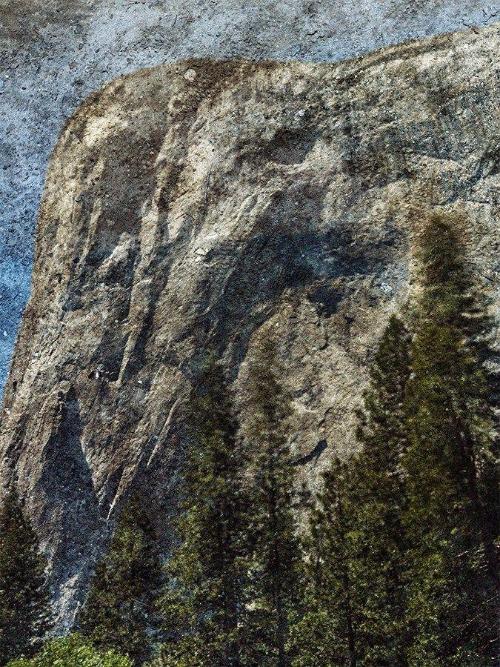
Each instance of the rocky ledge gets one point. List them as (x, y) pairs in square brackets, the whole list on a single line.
[(203, 205)]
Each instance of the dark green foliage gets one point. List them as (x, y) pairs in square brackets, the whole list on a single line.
[(72, 651), (327, 632), (119, 612), (273, 595), (24, 597), (233, 581), (356, 547), (378, 500), (451, 590), (400, 563), (202, 603)]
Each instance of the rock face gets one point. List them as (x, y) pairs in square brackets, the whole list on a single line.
[(205, 205), (53, 53)]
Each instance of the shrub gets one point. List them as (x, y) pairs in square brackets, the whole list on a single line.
[(72, 651)]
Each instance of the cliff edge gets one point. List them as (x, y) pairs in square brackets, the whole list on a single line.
[(203, 204)]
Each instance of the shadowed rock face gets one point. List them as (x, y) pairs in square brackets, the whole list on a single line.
[(209, 204)]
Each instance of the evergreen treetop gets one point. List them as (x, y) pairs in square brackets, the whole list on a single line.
[(275, 559), (451, 595), (202, 600)]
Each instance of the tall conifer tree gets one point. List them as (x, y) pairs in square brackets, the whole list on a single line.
[(24, 595), (202, 603), (119, 612), (275, 556), (355, 547), (378, 500), (327, 633), (452, 589)]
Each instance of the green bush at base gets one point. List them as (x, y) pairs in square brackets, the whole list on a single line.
[(72, 651)]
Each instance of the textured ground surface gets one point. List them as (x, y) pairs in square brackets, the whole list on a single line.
[(211, 204), (54, 52)]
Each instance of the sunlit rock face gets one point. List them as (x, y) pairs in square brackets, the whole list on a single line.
[(53, 53), (206, 205)]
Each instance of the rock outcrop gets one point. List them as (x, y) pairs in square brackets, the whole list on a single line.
[(204, 205)]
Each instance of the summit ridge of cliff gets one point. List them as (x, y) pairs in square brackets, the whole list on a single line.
[(203, 204)]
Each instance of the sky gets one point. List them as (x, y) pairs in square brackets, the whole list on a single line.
[(53, 53)]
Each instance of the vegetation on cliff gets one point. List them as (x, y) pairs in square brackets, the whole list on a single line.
[(401, 551), (232, 581), (451, 592), (397, 565), (201, 602), (355, 547), (274, 558)]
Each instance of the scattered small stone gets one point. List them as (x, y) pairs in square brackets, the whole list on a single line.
[(190, 75)]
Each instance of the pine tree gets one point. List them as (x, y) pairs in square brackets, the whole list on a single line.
[(452, 589), (327, 633), (355, 547), (203, 599), (273, 595), (119, 612), (24, 595), (377, 498)]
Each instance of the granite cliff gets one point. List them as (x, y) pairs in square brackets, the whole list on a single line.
[(207, 204)]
